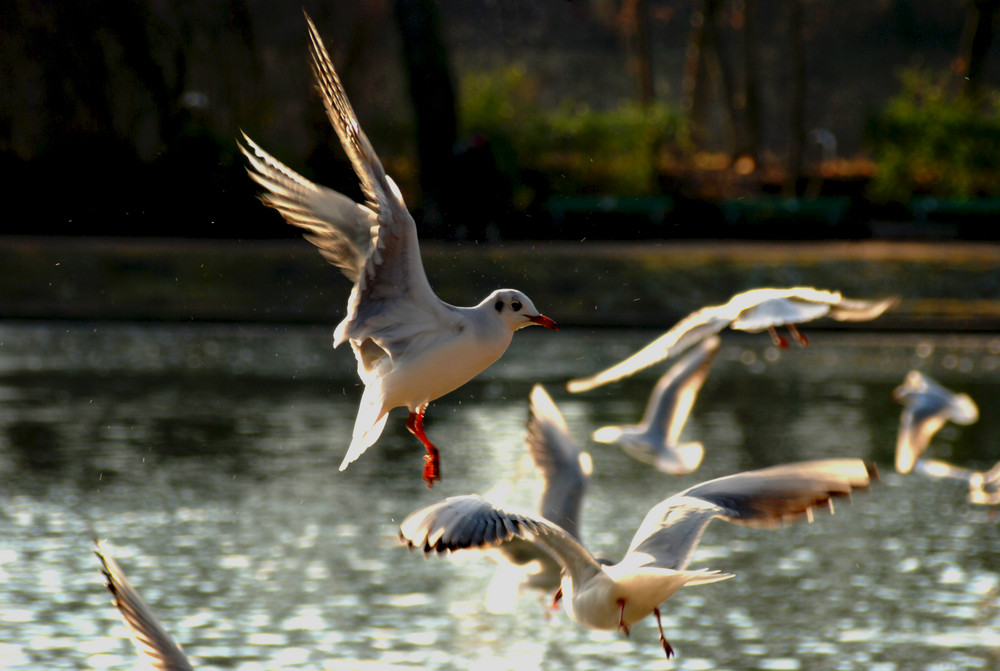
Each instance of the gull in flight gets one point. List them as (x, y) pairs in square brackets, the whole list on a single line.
[(148, 634), (926, 407), (984, 486), (656, 440), (411, 347), (617, 596), (754, 310), (565, 471)]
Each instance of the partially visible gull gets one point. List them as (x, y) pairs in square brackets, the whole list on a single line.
[(148, 634), (754, 310), (151, 637), (656, 440), (565, 471), (617, 596), (411, 347), (984, 486), (926, 407)]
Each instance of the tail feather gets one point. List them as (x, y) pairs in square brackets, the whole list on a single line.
[(369, 424)]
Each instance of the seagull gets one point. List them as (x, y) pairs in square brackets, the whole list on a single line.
[(411, 347), (656, 440), (619, 595), (148, 634), (984, 486), (565, 471), (926, 407), (755, 310)]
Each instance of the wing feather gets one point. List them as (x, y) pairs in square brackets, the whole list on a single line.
[(148, 634), (557, 456), (763, 498)]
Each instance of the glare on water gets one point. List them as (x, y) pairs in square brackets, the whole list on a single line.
[(208, 456)]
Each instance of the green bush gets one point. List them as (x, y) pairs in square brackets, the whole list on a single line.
[(581, 150), (929, 140)]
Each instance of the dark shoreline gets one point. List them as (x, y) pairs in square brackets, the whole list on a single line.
[(944, 286)]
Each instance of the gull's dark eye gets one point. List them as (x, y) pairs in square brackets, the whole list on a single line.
[(499, 306), (515, 305)]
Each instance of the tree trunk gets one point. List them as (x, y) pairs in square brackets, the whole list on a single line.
[(750, 145), (797, 98), (433, 97), (643, 54), (978, 40)]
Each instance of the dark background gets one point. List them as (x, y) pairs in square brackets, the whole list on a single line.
[(121, 118)]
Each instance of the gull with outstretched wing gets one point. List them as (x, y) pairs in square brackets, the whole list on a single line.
[(411, 347), (755, 310), (617, 596)]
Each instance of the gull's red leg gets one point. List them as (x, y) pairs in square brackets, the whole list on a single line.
[(776, 338), (797, 336), (663, 639), (432, 460), (622, 627), (556, 599)]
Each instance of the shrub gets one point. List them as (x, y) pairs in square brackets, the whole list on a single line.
[(930, 140), (579, 148)]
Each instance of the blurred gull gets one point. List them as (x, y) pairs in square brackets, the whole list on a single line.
[(657, 439), (565, 471), (619, 595), (926, 407), (754, 310), (984, 486), (411, 347)]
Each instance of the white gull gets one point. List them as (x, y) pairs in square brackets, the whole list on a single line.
[(926, 407), (656, 439), (565, 471), (619, 595), (411, 347), (754, 310)]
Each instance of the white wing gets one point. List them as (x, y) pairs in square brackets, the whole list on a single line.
[(149, 636), (376, 244), (558, 457), (472, 522), (767, 497), (673, 397), (693, 328), (393, 290), (340, 228), (940, 469)]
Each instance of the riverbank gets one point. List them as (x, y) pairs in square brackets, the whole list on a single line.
[(942, 285)]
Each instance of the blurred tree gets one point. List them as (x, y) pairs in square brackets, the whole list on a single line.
[(709, 66)]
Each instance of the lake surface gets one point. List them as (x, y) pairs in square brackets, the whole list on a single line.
[(207, 455)]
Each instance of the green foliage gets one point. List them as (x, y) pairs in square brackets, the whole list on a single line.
[(581, 150), (932, 141)]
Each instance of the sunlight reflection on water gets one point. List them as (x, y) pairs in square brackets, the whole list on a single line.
[(208, 456)]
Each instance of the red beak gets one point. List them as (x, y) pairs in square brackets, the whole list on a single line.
[(542, 320)]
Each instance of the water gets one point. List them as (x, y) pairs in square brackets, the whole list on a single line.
[(208, 456)]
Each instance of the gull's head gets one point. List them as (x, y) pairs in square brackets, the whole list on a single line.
[(915, 383), (516, 310)]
